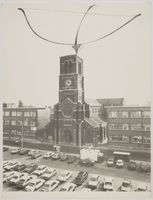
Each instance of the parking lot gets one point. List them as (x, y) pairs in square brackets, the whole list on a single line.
[(99, 168)]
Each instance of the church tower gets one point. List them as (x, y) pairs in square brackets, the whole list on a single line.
[(69, 112)]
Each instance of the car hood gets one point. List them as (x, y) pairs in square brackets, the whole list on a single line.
[(29, 188), (43, 189), (126, 189), (93, 183), (107, 186), (14, 180)]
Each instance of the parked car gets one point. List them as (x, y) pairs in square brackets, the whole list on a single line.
[(47, 155), (56, 156), (86, 189), (141, 188), (144, 167), (36, 155), (6, 162), (94, 181), (86, 162), (49, 186), (40, 170), (71, 159), (110, 162), (15, 151), (120, 163), (16, 177), (31, 152), (108, 184), (126, 186), (63, 157), (132, 165), (24, 181), (68, 187), (64, 176), (19, 167), (5, 149), (34, 184), (30, 168), (23, 151), (80, 178), (11, 165), (7, 176), (48, 174)]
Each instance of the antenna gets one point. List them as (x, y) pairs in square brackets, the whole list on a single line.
[(76, 46)]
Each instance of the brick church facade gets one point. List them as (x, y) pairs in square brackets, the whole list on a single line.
[(74, 122)]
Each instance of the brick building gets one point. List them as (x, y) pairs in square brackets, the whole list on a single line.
[(23, 119), (129, 126)]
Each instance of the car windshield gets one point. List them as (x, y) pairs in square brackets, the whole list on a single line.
[(15, 177), (63, 189), (108, 183), (48, 172), (93, 179), (125, 184), (31, 184), (46, 185), (21, 180), (110, 160)]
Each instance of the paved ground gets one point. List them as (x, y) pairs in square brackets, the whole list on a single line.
[(99, 168)]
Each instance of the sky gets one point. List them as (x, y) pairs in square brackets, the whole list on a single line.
[(118, 66)]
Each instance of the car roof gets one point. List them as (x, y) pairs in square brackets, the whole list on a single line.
[(35, 180), (65, 172), (126, 181), (52, 181), (42, 166), (94, 175), (108, 179)]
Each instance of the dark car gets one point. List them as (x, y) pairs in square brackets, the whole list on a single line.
[(63, 157), (56, 156), (80, 178), (86, 162), (30, 168), (19, 167), (71, 159), (110, 162), (5, 148), (36, 155), (23, 151), (132, 165)]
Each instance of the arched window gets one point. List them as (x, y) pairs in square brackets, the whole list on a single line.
[(70, 67), (66, 67)]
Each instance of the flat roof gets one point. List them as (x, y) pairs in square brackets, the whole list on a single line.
[(120, 152)]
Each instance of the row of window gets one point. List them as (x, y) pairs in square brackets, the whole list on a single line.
[(19, 122), (20, 113), (19, 133), (69, 68), (95, 110), (126, 139), (133, 127), (125, 114)]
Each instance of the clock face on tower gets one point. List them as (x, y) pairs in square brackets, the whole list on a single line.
[(68, 82)]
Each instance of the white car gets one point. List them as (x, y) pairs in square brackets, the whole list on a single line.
[(6, 162), (68, 187), (16, 177), (108, 184), (64, 176), (93, 181), (141, 188), (15, 151), (48, 174), (48, 155), (11, 165), (49, 186), (126, 186), (31, 152), (120, 163), (34, 184), (40, 170), (7, 176), (24, 181)]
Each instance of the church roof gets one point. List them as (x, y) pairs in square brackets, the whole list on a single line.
[(94, 121), (111, 102), (92, 102)]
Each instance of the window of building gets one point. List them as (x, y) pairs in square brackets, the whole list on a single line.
[(70, 67), (118, 126), (13, 122), (123, 114), (146, 114), (67, 122), (13, 132), (32, 123), (26, 123), (26, 133), (113, 114), (79, 67), (146, 140), (19, 123), (19, 113), (6, 113), (136, 127), (120, 138), (13, 113), (26, 114), (19, 133), (32, 114), (137, 139), (6, 122), (136, 114), (146, 127)]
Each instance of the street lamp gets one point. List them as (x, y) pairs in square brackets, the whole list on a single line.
[(79, 123)]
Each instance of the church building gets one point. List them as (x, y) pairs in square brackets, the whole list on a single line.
[(76, 121)]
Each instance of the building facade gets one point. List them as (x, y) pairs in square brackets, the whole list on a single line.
[(129, 125), (24, 120)]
